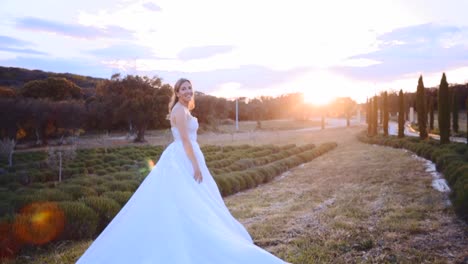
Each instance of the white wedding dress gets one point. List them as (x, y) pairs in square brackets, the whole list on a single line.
[(173, 219)]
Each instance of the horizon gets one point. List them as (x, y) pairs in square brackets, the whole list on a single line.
[(334, 49)]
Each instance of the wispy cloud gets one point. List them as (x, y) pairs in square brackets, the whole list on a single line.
[(423, 48), (27, 51), (152, 6), (247, 76), (203, 52), (72, 30), (124, 52), (17, 46), (9, 41)]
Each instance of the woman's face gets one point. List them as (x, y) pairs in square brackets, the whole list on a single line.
[(185, 92)]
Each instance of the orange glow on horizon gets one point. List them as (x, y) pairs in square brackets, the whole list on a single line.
[(318, 99)]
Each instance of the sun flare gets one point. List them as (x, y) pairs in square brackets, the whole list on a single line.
[(318, 99)]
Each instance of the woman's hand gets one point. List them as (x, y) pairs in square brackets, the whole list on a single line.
[(197, 175)]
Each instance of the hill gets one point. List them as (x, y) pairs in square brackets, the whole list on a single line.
[(17, 77)]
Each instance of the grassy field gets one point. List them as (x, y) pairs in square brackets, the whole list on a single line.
[(227, 132), (358, 203), (286, 124)]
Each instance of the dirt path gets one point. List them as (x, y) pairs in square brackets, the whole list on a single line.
[(358, 203)]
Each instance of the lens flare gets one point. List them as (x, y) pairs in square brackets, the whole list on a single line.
[(9, 246), (150, 164), (39, 223)]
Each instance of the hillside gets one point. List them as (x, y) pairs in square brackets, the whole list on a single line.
[(17, 77)]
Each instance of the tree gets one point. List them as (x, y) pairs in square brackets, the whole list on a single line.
[(39, 118), (466, 107), (6, 92), (421, 108), (385, 114), (138, 101), (454, 110), (367, 111), (444, 111), (401, 115), (70, 118), (369, 117), (56, 89), (431, 113), (7, 147), (375, 116)]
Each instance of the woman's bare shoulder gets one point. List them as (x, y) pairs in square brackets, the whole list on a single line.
[(178, 112)]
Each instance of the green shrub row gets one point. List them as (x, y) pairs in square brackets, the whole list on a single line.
[(450, 159), (88, 204), (234, 182)]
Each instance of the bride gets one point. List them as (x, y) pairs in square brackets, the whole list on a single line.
[(177, 214)]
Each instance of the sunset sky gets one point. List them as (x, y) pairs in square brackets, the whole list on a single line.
[(245, 47)]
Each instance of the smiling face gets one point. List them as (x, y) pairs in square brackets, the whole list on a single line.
[(185, 93)]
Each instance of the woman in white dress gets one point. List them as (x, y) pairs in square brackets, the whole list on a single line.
[(177, 214)]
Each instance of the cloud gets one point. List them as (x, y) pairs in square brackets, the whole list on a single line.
[(124, 52), (203, 52), (26, 51), (14, 45), (9, 41), (152, 7), (248, 77), (417, 49), (72, 30)]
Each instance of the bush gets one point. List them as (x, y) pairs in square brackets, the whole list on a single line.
[(77, 191), (460, 196), (224, 186), (6, 207), (126, 185), (106, 208), (81, 221), (20, 201), (119, 196), (235, 184), (123, 175), (52, 195)]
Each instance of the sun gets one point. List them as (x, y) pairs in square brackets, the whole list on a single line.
[(319, 99)]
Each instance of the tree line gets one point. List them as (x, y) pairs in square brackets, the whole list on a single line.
[(56, 107), (445, 100)]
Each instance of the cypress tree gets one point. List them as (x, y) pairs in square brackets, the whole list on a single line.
[(385, 113), (466, 107), (401, 115), (367, 111), (421, 107), (431, 113), (369, 117), (454, 110), (375, 117), (381, 113), (444, 111)]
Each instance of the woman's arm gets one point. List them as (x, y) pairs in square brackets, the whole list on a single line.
[(180, 117)]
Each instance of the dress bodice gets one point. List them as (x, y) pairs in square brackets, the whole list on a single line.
[(192, 125)]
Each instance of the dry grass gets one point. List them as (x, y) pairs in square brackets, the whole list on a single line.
[(356, 204), (285, 124)]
